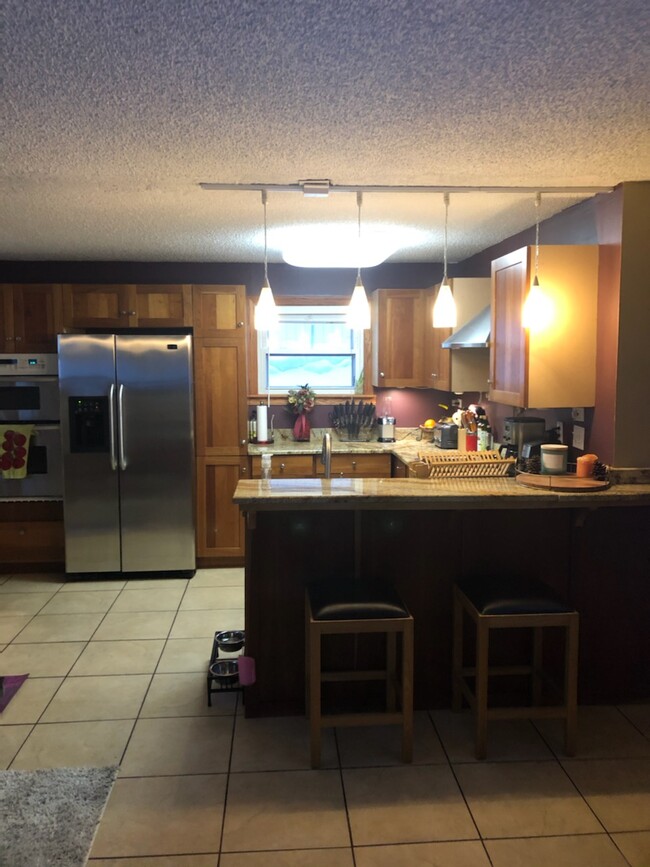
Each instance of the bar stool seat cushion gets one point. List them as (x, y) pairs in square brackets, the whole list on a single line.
[(511, 595), (354, 599)]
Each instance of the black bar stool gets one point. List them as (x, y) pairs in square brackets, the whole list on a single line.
[(356, 607), (513, 603)]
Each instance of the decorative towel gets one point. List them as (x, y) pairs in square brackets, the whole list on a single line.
[(14, 450), (9, 686)]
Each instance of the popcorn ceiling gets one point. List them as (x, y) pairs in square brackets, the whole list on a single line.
[(113, 111)]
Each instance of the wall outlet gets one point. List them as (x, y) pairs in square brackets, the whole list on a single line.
[(578, 413), (457, 403), (559, 430), (578, 437)]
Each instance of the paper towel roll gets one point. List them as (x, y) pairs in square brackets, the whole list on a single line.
[(262, 424)]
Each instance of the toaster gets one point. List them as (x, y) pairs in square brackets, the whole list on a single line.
[(445, 435)]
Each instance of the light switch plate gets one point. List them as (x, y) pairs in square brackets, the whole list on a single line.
[(578, 437)]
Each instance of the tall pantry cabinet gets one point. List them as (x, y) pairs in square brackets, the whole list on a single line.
[(221, 417)]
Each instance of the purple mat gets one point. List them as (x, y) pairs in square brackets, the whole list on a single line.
[(9, 686)]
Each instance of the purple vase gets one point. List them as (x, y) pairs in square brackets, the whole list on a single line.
[(302, 429)]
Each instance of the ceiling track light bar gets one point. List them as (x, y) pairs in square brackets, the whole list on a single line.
[(323, 187)]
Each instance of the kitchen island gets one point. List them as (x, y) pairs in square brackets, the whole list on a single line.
[(593, 548)]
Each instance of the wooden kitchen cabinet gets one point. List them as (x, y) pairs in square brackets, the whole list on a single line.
[(31, 532), (353, 465), (220, 396), (285, 466), (220, 527), (219, 311), (125, 305), (554, 366), (31, 317), (407, 350)]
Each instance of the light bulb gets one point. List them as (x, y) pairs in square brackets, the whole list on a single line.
[(358, 316), (444, 309), (266, 313), (537, 312)]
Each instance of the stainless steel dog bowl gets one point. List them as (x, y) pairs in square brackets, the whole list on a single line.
[(230, 641), (225, 670)]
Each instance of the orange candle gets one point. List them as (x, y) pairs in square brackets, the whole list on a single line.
[(585, 466)]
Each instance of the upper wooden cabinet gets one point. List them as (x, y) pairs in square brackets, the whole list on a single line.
[(31, 317), (219, 310), (555, 365), (126, 305), (406, 349)]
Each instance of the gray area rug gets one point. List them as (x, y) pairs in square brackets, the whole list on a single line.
[(49, 818)]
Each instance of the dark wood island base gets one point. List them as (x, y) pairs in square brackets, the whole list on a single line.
[(421, 536)]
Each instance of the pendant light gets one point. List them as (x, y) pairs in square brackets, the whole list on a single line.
[(537, 311), (266, 313), (444, 309), (358, 317)]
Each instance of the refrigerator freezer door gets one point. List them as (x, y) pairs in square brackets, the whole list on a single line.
[(155, 442), (90, 478)]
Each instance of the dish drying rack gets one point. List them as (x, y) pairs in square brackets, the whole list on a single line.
[(464, 465)]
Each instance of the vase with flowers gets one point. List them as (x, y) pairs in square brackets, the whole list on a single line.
[(300, 402)]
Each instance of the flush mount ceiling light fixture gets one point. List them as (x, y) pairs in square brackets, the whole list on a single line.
[(537, 312), (359, 309), (444, 309), (266, 314)]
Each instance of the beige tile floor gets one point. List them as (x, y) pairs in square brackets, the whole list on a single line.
[(117, 676)]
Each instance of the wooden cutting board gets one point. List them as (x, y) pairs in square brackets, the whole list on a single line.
[(568, 482)]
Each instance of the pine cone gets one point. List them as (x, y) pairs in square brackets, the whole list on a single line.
[(601, 472), (534, 465)]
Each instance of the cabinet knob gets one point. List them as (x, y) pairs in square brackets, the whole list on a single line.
[(282, 466), (489, 382), (21, 532), (131, 312), (240, 325), (18, 339), (434, 375), (242, 442), (354, 465), (381, 373), (8, 338), (243, 470), (124, 312)]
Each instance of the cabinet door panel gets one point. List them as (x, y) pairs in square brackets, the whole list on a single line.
[(218, 310), (7, 318), (160, 306), (285, 467), (220, 389), (96, 306), (37, 317), (398, 359), (508, 350), (220, 526)]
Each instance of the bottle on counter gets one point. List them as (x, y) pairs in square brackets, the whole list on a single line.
[(484, 438), (266, 467)]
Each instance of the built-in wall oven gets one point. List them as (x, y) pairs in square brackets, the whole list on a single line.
[(29, 395)]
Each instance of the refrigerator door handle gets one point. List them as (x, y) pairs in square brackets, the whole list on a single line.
[(120, 426), (111, 422)]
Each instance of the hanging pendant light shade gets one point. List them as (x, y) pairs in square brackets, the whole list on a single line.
[(444, 308), (537, 312), (358, 317), (266, 313)]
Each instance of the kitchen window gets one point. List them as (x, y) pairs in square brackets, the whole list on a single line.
[(310, 345)]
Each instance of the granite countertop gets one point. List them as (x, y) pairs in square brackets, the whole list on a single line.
[(475, 493)]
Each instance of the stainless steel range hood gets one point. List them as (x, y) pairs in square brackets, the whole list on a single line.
[(475, 334)]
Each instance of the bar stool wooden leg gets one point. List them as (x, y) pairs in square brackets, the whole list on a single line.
[(407, 692), (481, 688), (391, 671), (315, 694), (536, 679), (571, 686), (457, 656)]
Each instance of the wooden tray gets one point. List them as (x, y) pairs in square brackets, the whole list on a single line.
[(568, 482)]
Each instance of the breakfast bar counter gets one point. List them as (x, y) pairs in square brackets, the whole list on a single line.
[(421, 535)]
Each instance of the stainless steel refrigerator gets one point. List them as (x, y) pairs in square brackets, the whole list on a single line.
[(128, 452)]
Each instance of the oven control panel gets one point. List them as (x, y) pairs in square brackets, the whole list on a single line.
[(29, 365)]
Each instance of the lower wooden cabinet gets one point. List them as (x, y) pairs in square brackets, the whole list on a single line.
[(219, 524), (285, 467), (31, 533), (357, 466)]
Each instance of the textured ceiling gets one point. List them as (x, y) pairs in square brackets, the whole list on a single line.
[(113, 111)]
